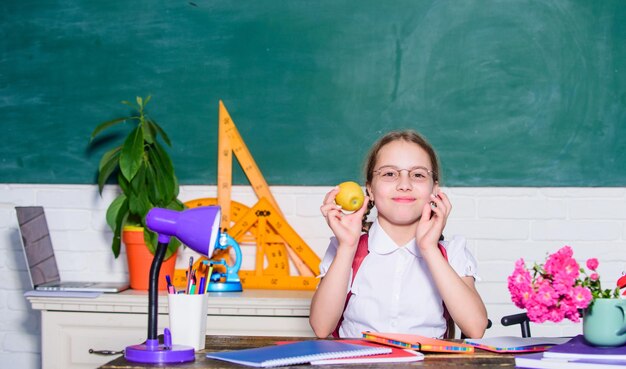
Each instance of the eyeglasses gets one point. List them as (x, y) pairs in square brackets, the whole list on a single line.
[(392, 174)]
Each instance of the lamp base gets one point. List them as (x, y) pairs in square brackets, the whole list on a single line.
[(154, 353)]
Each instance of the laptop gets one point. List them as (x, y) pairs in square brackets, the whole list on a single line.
[(42, 265)]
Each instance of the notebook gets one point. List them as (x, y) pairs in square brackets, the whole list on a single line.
[(577, 347), (41, 262), (416, 342), (507, 344), (296, 353), (397, 355), (539, 360)]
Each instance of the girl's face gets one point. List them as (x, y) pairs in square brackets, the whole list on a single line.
[(400, 202)]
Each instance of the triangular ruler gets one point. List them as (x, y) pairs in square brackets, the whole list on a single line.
[(229, 142)]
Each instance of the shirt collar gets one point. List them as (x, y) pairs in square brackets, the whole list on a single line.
[(380, 242)]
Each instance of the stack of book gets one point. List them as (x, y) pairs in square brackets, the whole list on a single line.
[(575, 354), (317, 352), (395, 348)]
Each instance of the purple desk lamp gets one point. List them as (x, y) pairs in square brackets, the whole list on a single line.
[(198, 228)]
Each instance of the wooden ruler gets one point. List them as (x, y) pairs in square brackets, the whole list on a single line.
[(229, 142)]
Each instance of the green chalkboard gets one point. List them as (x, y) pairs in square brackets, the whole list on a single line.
[(511, 93)]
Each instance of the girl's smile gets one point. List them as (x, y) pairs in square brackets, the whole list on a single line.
[(404, 199)]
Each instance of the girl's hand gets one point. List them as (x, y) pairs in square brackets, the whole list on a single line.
[(345, 227), (433, 221)]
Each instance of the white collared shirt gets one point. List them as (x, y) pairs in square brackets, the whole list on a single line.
[(393, 290)]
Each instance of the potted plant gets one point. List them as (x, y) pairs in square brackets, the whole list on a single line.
[(145, 175)]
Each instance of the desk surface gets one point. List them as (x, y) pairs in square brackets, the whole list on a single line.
[(480, 359)]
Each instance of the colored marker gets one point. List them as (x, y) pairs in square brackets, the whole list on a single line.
[(189, 274), (208, 280), (170, 287), (201, 286)]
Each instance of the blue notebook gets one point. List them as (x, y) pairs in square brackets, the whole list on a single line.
[(296, 353)]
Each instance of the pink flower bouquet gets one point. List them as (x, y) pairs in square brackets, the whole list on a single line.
[(555, 290)]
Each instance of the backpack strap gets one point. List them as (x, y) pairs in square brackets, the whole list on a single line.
[(446, 315), (361, 252)]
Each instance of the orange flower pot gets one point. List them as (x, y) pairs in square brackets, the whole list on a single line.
[(140, 260)]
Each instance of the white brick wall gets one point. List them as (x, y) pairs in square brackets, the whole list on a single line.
[(501, 225)]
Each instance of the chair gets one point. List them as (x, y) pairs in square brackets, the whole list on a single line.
[(521, 319)]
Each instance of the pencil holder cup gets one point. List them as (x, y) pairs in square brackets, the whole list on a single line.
[(604, 324), (188, 315)]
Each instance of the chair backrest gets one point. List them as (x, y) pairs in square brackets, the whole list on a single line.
[(521, 319)]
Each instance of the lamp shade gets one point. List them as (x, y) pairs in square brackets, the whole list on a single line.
[(198, 228)]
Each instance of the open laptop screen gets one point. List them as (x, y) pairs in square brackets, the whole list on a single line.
[(37, 244)]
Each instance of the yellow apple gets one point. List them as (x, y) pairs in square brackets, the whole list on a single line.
[(350, 196)]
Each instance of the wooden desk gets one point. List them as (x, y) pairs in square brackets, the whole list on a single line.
[(72, 326), (480, 359)]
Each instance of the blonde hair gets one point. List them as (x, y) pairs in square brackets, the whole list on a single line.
[(372, 157)]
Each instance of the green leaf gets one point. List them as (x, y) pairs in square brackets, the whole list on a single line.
[(151, 239), (149, 133), (176, 205), (116, 217), (132, 154), (101, 127), (113, 211), (176, 187), (139, 203), (116, 243), (164, 159), (138, 183), (151, 122), (172, 247), (139, 207), (154, 190), (108, 157), (132, 105), (124, 184), (163, 170), (109, 162)]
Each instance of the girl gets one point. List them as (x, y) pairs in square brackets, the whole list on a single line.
[(405, 279)]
